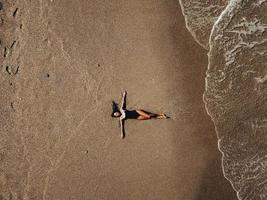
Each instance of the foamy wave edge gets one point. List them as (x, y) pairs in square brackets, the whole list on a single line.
[(231, 5), (188, 27)]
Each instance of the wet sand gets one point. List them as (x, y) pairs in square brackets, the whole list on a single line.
[(77, 58)]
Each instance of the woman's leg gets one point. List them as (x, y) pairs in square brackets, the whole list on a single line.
[(143, 115), (146, 115)]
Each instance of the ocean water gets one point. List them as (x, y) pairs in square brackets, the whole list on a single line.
[(236, 93), (200, 16)]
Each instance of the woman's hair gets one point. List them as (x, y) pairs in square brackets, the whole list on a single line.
[(115, 108)]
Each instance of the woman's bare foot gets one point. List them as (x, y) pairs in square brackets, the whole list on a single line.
[(162, 116)]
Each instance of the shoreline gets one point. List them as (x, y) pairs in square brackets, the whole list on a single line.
[(134, 46)]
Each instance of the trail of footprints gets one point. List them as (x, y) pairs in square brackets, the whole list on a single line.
[(9, 53), (8, 42)]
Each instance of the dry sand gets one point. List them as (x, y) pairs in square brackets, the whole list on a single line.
[(93, 51)]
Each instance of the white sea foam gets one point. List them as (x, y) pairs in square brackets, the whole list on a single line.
[(237, 103), (236, 90), (200, 16)]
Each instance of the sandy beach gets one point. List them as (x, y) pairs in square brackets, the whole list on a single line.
[(75, 58)]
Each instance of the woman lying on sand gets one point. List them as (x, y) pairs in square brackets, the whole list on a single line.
[(124, 114)]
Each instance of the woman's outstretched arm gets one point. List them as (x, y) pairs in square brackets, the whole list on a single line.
[(122, 128), (123, 101)]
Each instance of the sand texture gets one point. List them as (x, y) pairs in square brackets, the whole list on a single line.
[(69, 61)]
